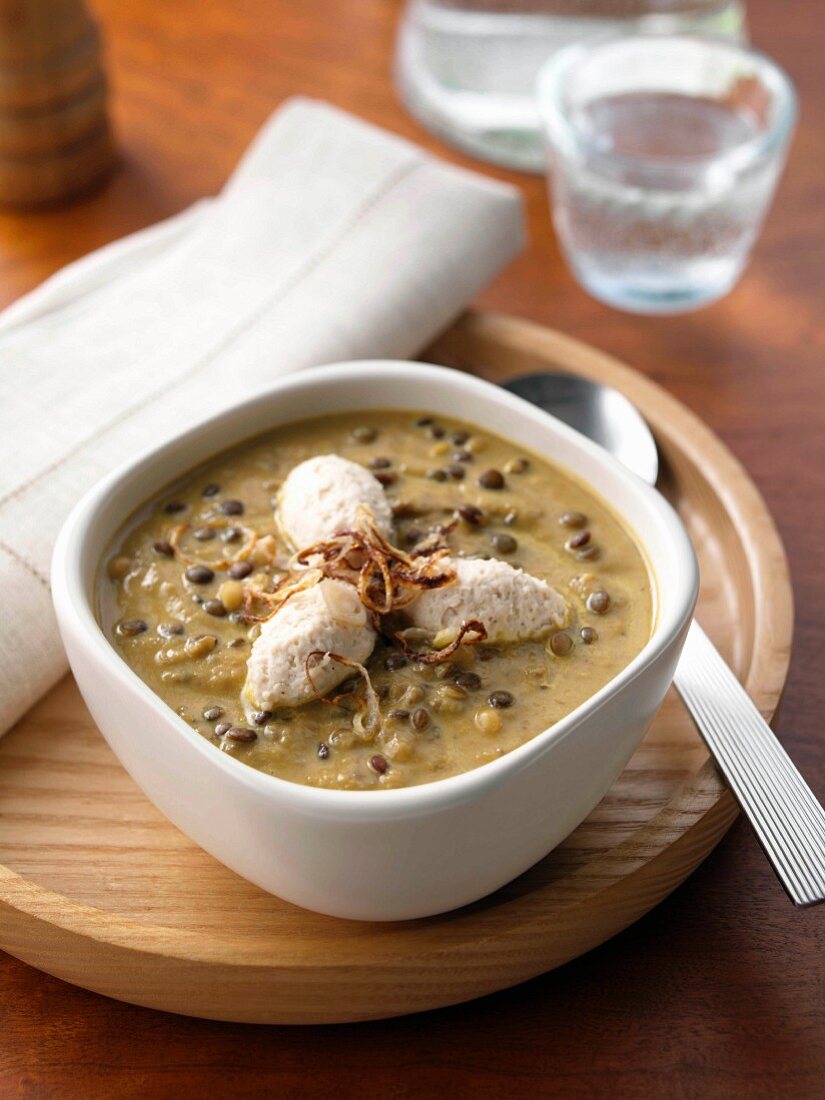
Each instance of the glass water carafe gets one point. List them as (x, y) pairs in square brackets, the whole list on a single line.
[(466, 68)]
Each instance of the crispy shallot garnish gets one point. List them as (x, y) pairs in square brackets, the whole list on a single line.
[(368, 716), (180, 530), (437, 656), (387, 578), (273, 601), (436, 540)]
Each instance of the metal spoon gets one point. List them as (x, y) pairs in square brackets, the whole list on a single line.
[(785, 814)]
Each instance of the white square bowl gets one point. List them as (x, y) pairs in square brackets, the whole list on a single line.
[(379, 855)]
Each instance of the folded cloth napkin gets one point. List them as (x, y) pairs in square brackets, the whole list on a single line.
[(332, 240)]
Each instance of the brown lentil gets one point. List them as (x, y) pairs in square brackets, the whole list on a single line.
[(364, 434), (399, 714), (503, 544), (573, 519), (380, 462), (169, 630), (241, 735), (212, 489), (231, 507), (386, 477), (599, 602), (131, 627), (164, 548), (437, 475), (459, 437), (204, 534), (588, 553), (491, 479), (471, 514), (588, 635), (323, 751), (575, 542), (454, 691), (239, 569), (215, 607), (222, 728), (212, 714), (561, 644), (261, 717), (462, 455), (470, 681), (199, 574), (420, 718), (232, 534), (456, 471), (174, 506), (379, 763), (500, 699)]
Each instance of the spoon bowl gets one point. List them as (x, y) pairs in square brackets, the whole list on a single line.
[(597, 411)]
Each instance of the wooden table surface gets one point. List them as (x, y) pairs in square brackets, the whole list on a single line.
[(720, 992)]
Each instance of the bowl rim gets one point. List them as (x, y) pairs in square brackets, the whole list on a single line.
[(76, 615)]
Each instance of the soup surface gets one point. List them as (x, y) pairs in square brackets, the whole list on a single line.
[(174, 595)]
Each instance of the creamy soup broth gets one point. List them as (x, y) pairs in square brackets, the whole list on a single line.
[(189, 641)]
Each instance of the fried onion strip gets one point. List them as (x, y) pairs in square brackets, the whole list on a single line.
[(367, 719), (386, 577), (288, 587), (180, 530), (437, 656)]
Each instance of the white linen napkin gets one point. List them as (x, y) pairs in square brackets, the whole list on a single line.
[(332, 240)]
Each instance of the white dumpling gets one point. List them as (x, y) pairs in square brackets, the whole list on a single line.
[(513, 605), (322, 496), (328, 617)]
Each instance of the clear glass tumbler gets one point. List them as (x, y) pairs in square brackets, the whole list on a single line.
[(467, 68), (664, 153)]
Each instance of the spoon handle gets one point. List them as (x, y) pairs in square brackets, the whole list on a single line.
[(787, 818)]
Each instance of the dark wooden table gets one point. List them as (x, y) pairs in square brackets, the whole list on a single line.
[(720, 992)]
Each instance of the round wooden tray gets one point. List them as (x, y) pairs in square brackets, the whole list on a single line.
[(98, 888)]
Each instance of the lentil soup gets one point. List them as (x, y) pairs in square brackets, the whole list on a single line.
[(185, 589)]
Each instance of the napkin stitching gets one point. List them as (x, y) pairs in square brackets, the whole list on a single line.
[(26, 564), (305, 269)]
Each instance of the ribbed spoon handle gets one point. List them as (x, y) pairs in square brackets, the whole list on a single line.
[(781, 807)]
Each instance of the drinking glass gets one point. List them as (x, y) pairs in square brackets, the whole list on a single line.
[(664, 154), (467, 68)]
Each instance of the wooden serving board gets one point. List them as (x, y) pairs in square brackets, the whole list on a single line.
[(98, 888)]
